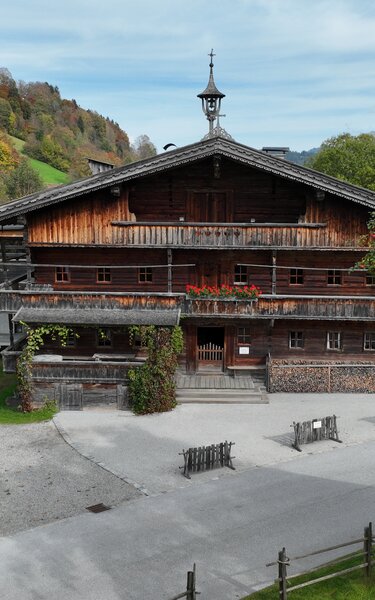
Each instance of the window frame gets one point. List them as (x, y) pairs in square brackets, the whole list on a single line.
[(294, 338), (243, 337), (370, 280), (298, 275), (62, 274), (338, 339), (370, 341), (336, 277), (102, 273), (145, 275), (243, 273), (101, 342)]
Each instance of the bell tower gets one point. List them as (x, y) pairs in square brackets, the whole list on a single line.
[(211, 103)]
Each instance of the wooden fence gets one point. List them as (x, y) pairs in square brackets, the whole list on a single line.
[(210, 353), (207, 457), (306, 432), (191, 593), (284, 580)]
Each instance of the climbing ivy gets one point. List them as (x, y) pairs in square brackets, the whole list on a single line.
[(368, 261), (35, 339), (152, 386)]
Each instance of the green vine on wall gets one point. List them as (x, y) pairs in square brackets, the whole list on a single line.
[(152, 386), (368, 261), (35, 339)]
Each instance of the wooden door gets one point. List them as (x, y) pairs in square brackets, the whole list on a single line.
[(209, 207), (209, 274), (210, 349), (71, 396)]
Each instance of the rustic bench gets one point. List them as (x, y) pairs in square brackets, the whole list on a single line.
[(234, 368), (207, 457)]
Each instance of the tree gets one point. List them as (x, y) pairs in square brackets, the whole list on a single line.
[(23, 181), (143, 147), (347, 157), (368, 261)]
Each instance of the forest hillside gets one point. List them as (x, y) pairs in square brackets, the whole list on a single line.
[(45, 139)]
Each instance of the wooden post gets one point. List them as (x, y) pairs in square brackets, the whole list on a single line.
[(368, 548), (169, 260), (283, 595), (190, 587), (3, 260), (274, 273), (11, 331)]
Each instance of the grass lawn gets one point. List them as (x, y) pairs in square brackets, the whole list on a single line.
[(352, 586), (11, 416), (48, 174)]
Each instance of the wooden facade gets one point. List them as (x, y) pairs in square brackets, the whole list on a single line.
[(215, 213)]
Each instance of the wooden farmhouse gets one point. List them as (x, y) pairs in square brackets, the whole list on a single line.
[(121, 247)]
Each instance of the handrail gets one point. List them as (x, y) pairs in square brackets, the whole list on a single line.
[(214, 224)]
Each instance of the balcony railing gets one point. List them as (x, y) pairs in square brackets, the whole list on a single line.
[(281, 307), (223, 235), (357, 308)]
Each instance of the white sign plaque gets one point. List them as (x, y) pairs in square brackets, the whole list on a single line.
[(317, 424), (244, 350)]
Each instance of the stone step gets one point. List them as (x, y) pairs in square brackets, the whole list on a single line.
[(229, 398), (214, 392)]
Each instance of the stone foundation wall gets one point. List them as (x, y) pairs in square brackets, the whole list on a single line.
[(309, 376)]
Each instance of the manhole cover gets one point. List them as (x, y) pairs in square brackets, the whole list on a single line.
[(97, 508)]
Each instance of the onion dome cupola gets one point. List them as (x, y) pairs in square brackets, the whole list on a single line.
[(211, 104)]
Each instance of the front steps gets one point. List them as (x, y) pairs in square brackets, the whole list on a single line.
[(209, 388)]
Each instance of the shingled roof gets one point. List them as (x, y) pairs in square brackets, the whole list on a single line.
[(185, 155)]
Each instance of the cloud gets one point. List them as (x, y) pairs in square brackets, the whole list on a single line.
[(290, 68)]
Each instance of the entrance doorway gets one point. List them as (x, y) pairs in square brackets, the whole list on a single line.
[(210, 348)]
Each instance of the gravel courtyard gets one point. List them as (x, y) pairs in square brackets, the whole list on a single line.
[(43, 479)]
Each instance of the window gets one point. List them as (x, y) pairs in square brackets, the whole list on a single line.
[(71, 340), (243, 335), (369, 340), (334, 341), (296, 339), (370, 279), (145, 275), (240, 274), (62, 274), (296, 277), (334, 277), (103, 275), (104, 338)]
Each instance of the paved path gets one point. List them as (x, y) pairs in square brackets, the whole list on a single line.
[(230, 524), (145, 449), (43, 479), (230, 527)]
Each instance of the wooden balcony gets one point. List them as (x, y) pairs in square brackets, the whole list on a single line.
[(222, 235), (113, 305), (285, 307), (12, 301)]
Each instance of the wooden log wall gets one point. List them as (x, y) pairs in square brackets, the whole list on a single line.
[(86, 279), (251, 194), (208, 269), (315, 281), (315, 339)]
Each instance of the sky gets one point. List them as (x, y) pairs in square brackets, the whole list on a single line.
[(294, 72)]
